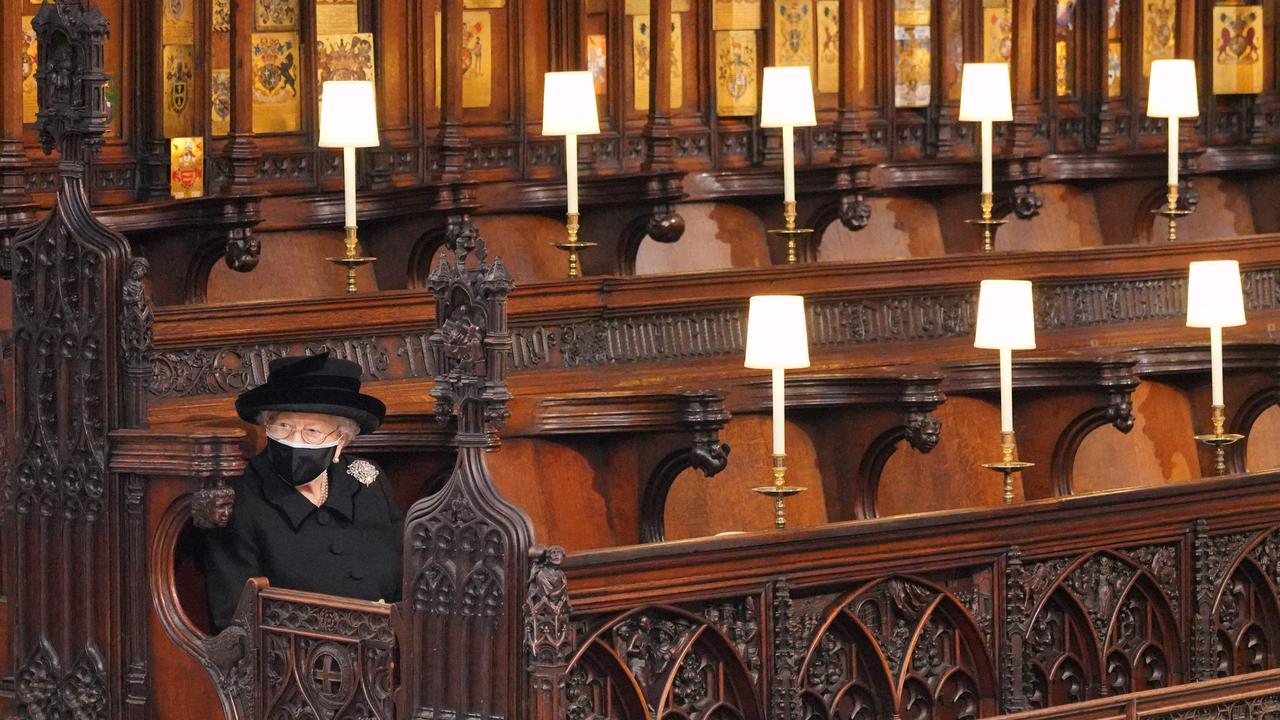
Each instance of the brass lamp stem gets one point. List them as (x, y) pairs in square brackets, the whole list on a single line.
[(352, 259), (988, 223), (572, 244), (1007, 465), (1219, 439), (789, 216), (986, 205), (571, 228), (792, 233), (779, 490), (1170, 210)]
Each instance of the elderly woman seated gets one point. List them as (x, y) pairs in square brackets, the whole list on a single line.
[(306, 517)]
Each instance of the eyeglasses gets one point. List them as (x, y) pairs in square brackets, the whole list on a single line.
[(310, 436)]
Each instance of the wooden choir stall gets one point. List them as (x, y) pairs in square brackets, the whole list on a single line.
[(583, 460)]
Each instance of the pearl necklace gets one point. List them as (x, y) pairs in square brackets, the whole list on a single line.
[(324, 494)]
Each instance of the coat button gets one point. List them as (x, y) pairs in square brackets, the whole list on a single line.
[(322, 516), (356, 574), (335, 548)]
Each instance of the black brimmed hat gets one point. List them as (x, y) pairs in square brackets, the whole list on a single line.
[(313, 384)]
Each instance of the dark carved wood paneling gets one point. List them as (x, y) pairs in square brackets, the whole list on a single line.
[(466, 547), (82, 334)]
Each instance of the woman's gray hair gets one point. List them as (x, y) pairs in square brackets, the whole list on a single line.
[(346, 425)]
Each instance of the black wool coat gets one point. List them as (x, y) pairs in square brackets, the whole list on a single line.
[(349, 546)]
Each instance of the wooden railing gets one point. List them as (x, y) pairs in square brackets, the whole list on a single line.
[(955, 614), (1245, 697)]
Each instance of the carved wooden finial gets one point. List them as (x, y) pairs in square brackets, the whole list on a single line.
[(71, 78), (470, 349)]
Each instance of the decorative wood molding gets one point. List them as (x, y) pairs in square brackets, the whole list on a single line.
[(607, 335)]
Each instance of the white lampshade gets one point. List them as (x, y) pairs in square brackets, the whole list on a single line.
[(984, 92), (1006, 316), (787, 97), (1214, 296), (569, 104), (777, 337), (1172, 92), (348, 114)]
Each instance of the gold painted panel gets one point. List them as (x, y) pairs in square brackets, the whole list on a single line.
[(735, 15), (1115, 50), (953, 50), (337, 17), (477, 59), (640, 39), (828, 46), (178, 22), (598, 62), (1239, 36), (344, 57), (640, 61), (30, 99), (737, 60), (1064, 48), (179, 102), (793, 32), (276, 68), (641, 7), (911, 12), (677, 61), (186, 167), (912, 56), (220, 101), (1159, 25), (221, 13), (997, 31), (276, 15)]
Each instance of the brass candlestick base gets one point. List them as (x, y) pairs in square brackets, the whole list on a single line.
[(987, 223), (791, 232), (1219, 439), (780, 490), (1171, 211), (1007, 465), (352, 259), (573, 245)]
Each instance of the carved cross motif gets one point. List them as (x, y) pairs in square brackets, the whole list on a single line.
[(327, 675)]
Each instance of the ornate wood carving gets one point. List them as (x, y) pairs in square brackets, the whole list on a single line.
[(323, 657), (466, 547), (899, 647), (82, 339), (649, 337), (549, 636), (668, 660), (1213, 557)]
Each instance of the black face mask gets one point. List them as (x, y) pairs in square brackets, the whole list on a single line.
[(299, 465)]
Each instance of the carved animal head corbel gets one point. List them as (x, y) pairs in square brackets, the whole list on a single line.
[(1026, 202), (855, 213), (1120, 409), (243, 249)]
